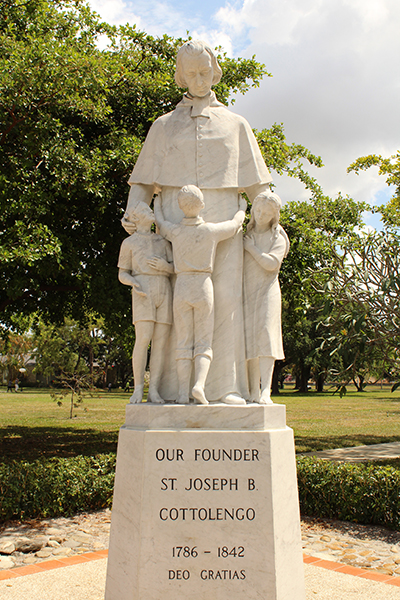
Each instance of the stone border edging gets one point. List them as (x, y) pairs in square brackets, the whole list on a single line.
[(49, 565), (349, 570)]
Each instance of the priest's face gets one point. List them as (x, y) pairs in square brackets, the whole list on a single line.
[(198, 73)]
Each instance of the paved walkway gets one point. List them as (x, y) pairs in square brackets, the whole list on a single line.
[(360, 453), (324, 581)]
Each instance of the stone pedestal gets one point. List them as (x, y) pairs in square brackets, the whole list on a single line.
[(205, 506)]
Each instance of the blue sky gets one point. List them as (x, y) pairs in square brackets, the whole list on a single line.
[(335, 66)]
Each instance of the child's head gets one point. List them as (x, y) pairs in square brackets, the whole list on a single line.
[(140, 213), (265, 211), (190, 200)]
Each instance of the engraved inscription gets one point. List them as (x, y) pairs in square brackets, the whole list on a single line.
[(184, 480)]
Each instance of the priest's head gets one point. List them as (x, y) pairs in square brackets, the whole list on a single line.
[(197, 68)]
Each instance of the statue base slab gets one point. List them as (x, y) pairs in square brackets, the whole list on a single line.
[(205, 505)]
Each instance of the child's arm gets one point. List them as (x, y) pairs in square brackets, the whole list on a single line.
[(269, 262), (127, 278), (227, 229), (163, 225)]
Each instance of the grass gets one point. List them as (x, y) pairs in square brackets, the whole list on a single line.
[(33, 426), (324, 421)]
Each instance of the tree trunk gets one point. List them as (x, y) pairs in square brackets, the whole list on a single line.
[(304, 377), (319, 384), (360, 383), (297, 382), (104, 378), (91, 365), (72, 404)]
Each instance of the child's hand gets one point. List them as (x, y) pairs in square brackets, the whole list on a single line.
[(248, 243), (138, 290), (158, 263), (242, 203)]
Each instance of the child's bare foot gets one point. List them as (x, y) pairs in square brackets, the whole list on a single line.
[(137, 395), (154, 397), (265, 398), (198, 395)]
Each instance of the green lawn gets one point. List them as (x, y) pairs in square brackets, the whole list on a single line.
[(323, 421), (32, 425)]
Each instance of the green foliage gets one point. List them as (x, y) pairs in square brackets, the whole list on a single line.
[(238, 75), (390, 168), (77, 355), (55, 487), (15, 351), (350, 492), (287, 158), (74, 114), (314, 228), (60, 348), (362, 283)]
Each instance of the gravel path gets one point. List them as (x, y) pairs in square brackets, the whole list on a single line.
[(34, 541), (365, 546)]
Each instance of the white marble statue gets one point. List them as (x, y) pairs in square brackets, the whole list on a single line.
[(266, 245), (203, 143), (194, 243), (145, 263)]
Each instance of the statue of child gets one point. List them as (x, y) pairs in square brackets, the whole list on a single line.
[(194, 243), (266, 245), (145, 263)]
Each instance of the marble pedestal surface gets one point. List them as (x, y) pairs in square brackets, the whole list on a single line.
[(205, 506)]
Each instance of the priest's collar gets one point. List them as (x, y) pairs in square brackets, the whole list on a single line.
[(200, 107)]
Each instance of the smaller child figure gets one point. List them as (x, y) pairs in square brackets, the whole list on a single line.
[(145, 263), (266, 245), (194, 243)]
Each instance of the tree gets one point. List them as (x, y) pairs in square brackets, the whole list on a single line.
[(66, 355), (74, 117), (284, 158), (389, 167), (314, 228), (362, 311), (15, 350), (88, 348)]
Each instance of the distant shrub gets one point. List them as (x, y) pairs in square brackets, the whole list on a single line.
[(362, 493), (56, 486)]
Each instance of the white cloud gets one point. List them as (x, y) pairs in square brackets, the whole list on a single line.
[(116, 12), (335, 65), (336, 81)]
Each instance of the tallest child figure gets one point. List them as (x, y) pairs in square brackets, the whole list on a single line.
[(203, 143)]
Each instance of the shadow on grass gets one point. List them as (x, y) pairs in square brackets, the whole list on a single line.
[(313, 444), (31, 443)]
